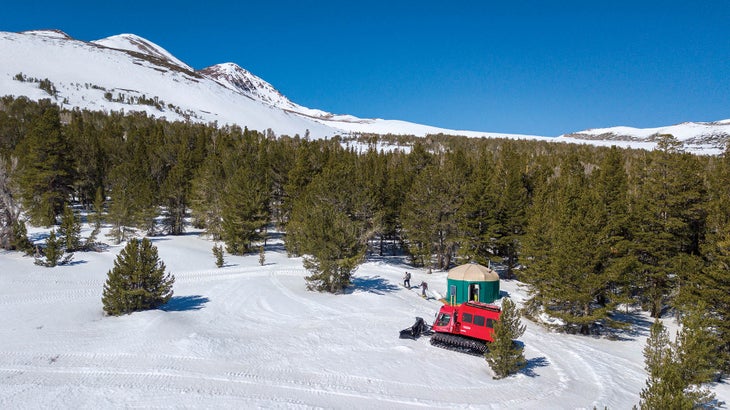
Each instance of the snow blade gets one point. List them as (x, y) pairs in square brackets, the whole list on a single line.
[(415, 331)]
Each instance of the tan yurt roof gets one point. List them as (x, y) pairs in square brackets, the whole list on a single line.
[(473, 272)]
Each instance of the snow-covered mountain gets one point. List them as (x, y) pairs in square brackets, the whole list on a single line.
[(131, 42), (701, 137), (129, 73)]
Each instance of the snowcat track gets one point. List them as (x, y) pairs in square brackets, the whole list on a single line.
[(459, 344)]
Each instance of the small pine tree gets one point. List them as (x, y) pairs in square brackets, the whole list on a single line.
[(52, 252), (98, 215), (20, 238), (698, 346), (70, 230), (504, 356), (218, 253), (667, 386), (262, 256), (96, 218), (138, 280)]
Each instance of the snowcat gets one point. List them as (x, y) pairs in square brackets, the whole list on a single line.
[(466, 327)]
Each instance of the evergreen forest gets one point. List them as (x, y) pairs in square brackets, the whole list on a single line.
[(592, 230)]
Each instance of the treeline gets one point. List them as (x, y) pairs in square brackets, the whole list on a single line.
[(589, 228)]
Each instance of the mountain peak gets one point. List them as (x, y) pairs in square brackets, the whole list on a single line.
[(52, 33), (238, 79), (133, 42), (242, 81)]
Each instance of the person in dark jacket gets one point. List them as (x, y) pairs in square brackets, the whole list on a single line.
[(407, 280)]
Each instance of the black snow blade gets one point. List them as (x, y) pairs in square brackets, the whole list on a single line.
[(414, 332)]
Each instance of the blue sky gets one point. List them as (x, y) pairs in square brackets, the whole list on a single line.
[(530, 67)]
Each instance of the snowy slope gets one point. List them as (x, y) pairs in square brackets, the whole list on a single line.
[(126, 67), (247, 336), (702, 137), (84, 72), (240, 80), (138, 44)]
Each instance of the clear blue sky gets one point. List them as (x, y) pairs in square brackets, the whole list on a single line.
[(532, 67)]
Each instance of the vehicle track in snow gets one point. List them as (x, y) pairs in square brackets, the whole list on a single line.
[(49, 296), (28, 371), (261, 338)]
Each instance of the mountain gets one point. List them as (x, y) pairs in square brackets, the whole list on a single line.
[(231, 76), (133, 75), (700, 137), (128, 73), (131, 42)]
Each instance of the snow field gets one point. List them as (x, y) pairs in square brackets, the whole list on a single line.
[(248, 336)]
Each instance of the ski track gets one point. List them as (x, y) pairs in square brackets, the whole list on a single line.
[(185, 374), (26, 372), (46, 297), (232, 349)]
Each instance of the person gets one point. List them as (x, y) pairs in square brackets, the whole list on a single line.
[(407, 280), (424, 288)]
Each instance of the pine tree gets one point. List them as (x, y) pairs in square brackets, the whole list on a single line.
[(669, 212), (91, 157), (52, 252), (698, 346), (334, 249), (563, 271), (666, 363), (20, 239), (505, 356), (138, 280), (429, 213), (97, 218), (218, 254), (310, 157), (13, 234), (710, 285), (613, 256), (175, 193), (245, 210), (46, 169), (508, 216), (326, 229), (70, 230), (477, 213), (206, 198)]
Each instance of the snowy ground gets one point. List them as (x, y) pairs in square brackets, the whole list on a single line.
[(247, 336)]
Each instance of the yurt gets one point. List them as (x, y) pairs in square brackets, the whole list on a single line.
[(472, 282)]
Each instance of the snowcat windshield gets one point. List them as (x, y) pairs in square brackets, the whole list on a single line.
[(443, 319)]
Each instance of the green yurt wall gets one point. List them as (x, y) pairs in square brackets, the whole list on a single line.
[(472, 282)]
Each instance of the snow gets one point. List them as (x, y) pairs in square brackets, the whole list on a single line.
[(249, 336), (698, 137), (228, 94), (48, 33), (133, 42), (84, 72), (680, 131)]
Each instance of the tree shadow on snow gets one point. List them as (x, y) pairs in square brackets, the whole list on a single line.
[(534, 363), (185, 303), (372, 284), (154, 239), (276, 247), (638, 326)]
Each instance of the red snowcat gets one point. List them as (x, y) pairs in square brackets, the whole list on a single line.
[(467, 327)]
